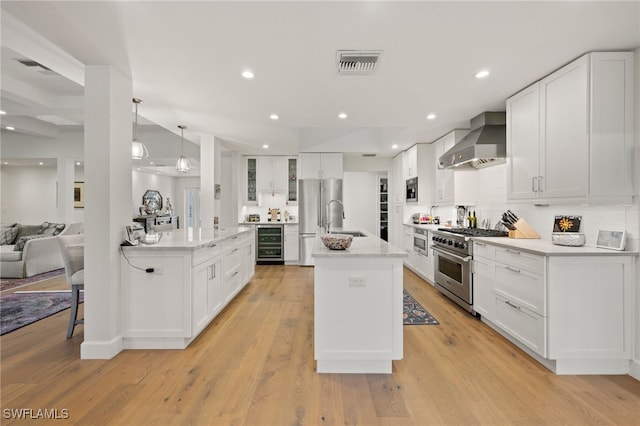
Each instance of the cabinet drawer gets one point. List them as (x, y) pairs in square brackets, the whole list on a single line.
[(525, 326), (204, 254), (231, 260), (521, 286), (520, 260)]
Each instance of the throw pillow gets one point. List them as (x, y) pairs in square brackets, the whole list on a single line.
[(51, 229), (23, 240), (8, 235)]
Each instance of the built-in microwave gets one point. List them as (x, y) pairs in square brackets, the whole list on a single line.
[(412, 190)]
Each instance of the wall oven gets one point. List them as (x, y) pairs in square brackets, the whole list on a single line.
[(420, 241), (412, 190)]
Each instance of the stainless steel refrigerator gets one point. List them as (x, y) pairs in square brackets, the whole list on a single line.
[(315, 195)]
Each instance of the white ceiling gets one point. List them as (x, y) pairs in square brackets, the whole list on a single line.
[(185, 60)]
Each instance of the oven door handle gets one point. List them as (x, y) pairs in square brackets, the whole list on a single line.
[(451, 256)]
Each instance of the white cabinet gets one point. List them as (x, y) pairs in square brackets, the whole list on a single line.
[(574, 311), (407, 244), (444, 187), (411, 162), (273, 174), (291, 244), (399, 182), (168, 308), (320, 165), (570, 135)]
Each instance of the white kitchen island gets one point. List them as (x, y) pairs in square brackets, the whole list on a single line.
[(358, 306), (173, 289)]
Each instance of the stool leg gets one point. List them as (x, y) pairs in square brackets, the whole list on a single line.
[(73, 316)]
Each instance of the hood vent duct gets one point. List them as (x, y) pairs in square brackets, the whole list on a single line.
[(484, 146), (357, 62)]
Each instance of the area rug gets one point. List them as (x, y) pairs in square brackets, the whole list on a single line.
[(413, 312), (24, 308), (11, 283)]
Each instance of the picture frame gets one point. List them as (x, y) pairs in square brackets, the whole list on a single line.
[(78, 195), (613, 240)]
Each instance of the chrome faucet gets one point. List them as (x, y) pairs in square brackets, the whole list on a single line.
[(328, 228)]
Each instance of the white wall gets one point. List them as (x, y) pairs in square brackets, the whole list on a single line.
[(29, 195), (360, 199), (141, 182)]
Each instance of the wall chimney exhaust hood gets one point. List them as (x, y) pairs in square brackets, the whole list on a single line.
[(485, 145)]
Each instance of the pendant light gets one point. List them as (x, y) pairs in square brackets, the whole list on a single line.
[(138, 150), (183, 165)]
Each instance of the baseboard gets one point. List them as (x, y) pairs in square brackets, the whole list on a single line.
[(634, 369), (101, 349)]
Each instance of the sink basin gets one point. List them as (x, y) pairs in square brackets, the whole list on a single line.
[(352, 233)]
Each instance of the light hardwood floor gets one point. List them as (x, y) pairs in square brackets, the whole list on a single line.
[(254, 366)]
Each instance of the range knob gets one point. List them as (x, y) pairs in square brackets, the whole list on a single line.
[(434, 238), (457, 245), (463, 245), (450, 242)]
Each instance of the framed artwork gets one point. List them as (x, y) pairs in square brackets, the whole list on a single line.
[(78, 195)]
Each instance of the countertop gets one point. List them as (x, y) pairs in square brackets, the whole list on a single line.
[(268, 223), (179, 239), (547, 248), (369, 246)]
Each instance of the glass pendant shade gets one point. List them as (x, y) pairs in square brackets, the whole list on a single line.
[(138, 150), (183, 165)]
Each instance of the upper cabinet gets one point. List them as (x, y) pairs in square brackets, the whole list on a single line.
[(570, 135), (272, 174), (320, 165), (398, 181), (411, 162), (444, 192)]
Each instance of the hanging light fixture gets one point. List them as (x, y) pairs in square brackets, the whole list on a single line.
[(138, 150), (183, 165)]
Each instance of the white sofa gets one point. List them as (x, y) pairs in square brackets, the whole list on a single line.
[(38, 255)]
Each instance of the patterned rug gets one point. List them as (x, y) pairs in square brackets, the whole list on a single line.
[(414, 313), (24, 308), (11, 283)]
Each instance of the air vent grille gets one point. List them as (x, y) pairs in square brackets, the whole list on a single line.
[(37, 66), (369, 155), (352, 62)]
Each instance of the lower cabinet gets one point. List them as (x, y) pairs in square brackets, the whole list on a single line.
[(574, 311), (168, 308), (291, 244)]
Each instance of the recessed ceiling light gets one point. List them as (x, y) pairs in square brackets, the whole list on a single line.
[(265, 146), (342, 115), (482, 74), (77, 163), (41, 163), (247, 74), (5, 163), (274, 116), (151, 162), (10, 128), (3, 112), (431, 116), (394, 146)]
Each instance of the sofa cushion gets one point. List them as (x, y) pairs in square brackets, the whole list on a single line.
[(7, 253), (8, 235), (23, 240), (51, 229), (24, 230)]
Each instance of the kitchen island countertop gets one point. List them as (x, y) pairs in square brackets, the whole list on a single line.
[(369, 246), (182, 239)]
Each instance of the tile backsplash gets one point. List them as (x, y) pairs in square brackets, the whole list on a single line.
[(266, 202)]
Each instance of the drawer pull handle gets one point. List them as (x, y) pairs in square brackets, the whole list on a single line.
[(513, 251), (479, 244), (512, 305), (235, 273), (234, 250), (509, 268)]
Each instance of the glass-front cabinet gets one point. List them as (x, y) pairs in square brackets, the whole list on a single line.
[(251, 176), (292, 189)]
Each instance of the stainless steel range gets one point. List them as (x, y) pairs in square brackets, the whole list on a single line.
[(453, 253)]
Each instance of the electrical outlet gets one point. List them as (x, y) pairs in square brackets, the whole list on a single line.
[(357, 281)]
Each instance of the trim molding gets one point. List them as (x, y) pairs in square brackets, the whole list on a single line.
[(101, 349)]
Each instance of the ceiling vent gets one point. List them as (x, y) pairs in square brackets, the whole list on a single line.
[(357, 62), (36, 66), (369, 155)]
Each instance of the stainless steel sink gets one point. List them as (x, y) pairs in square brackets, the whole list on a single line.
[(352, 233)]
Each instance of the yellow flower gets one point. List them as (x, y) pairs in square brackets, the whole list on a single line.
[(565, 224)]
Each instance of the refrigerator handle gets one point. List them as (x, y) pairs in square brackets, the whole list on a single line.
[(320, 222)]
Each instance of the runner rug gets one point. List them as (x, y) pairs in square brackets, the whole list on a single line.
[(24, 308), (11, 283), (414, 313)]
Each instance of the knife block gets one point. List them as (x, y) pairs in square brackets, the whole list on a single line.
[(523, 230)]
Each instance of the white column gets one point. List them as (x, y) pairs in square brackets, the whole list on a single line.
[(207, 180), (66, 177), (107, 154)]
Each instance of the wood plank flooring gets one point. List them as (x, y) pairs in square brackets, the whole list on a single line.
[(254, 365)]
